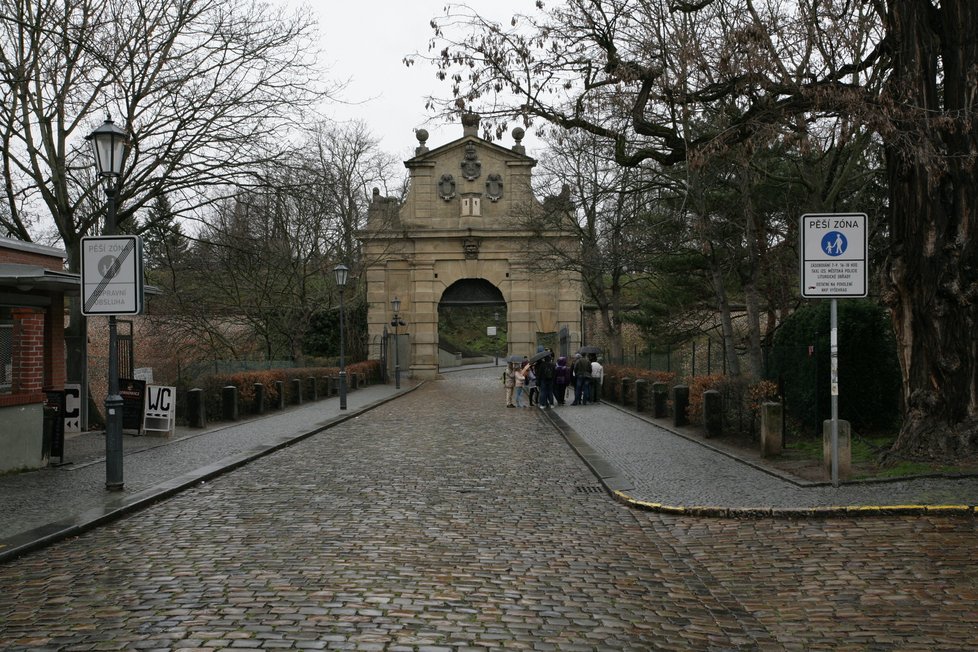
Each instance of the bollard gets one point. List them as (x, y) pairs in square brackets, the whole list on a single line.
[(713, 413), (660, 400), (311, 391), (258, 406), (229, 403), (330, 386), (196, 411), (680, 401), (772, 418), (296, 388), (845, 449), (626, 391), (354, 380), (280, 390), (641, 395)]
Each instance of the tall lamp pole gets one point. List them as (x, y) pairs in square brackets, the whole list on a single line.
[(109, 146), (341, 273), (396, 306), (495, 322)]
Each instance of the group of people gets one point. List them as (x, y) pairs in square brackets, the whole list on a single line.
[(544, 383)]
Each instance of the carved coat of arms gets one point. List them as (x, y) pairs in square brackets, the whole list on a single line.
[(471, 165)]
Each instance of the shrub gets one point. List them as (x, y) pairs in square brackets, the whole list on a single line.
[(869, 372)]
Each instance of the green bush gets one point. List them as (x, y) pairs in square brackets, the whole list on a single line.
[(869, 372)]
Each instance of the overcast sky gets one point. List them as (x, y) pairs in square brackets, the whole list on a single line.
[(365, 42)]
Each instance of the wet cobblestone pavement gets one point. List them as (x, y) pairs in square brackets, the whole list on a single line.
[(444, 521)]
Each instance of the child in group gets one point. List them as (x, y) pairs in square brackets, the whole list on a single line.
[(519, 382)]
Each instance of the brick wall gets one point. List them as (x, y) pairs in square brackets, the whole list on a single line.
[(54, 263), (28, 358)]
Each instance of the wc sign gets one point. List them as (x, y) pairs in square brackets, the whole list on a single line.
[(160, 408)]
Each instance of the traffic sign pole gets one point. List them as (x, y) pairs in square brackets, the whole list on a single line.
[(833, 255)]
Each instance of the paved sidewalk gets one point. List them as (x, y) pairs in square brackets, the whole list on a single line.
[(644, 464), (654, 466), (43, 506)]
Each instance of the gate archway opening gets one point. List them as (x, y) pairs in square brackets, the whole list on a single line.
[(472, 320)]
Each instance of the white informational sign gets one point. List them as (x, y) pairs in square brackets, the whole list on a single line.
[(144, 374), (112, 275), (833, 254), (160, 408), (490, 331), (72, 407)]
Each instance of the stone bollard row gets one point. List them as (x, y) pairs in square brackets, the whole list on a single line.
[(641, 395), (294, 392), (280, 391), (229, 403), (772, 420), (660, 400), (713, 413), (196, 409), (680, 401), (845, 449), (258, 406)]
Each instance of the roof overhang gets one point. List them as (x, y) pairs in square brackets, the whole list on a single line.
[(33, 278)]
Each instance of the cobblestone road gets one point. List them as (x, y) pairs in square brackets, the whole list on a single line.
[(443, 521)]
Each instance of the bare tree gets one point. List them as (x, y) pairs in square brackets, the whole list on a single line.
[(611, 210), (206, 89), (633, 71), (263, 264)]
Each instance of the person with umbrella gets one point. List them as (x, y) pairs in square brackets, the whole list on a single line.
[(545, 371)]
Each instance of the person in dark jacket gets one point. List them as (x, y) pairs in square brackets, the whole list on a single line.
[(546, 372), (562, 378), (582, 380)]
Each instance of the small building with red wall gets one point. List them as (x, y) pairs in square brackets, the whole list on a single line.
[(33, 285)]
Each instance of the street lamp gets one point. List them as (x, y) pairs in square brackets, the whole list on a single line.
[(396, 306), (495, 344), (341, 273), (109, 144)]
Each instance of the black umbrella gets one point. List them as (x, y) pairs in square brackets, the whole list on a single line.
[(540, 356), (590, 349)]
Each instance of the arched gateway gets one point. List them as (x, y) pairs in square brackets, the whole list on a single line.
[(462, 237)]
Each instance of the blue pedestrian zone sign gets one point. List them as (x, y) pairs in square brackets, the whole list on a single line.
[(835, 243), (833, 255)]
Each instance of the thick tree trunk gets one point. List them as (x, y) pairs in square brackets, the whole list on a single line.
[(931, 275)]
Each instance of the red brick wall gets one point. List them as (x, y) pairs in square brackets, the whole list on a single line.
[(54, 263), (28, 357)]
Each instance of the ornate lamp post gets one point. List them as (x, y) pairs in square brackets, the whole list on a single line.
[(495, 344), (396, 307), (341, 273), (109, 144)]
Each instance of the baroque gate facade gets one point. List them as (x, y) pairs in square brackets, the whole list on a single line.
[(469, 231)]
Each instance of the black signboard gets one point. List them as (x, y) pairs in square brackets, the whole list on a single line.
[(54, 419), (132, 393)]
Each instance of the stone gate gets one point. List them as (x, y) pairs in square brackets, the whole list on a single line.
[(469, 233)]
